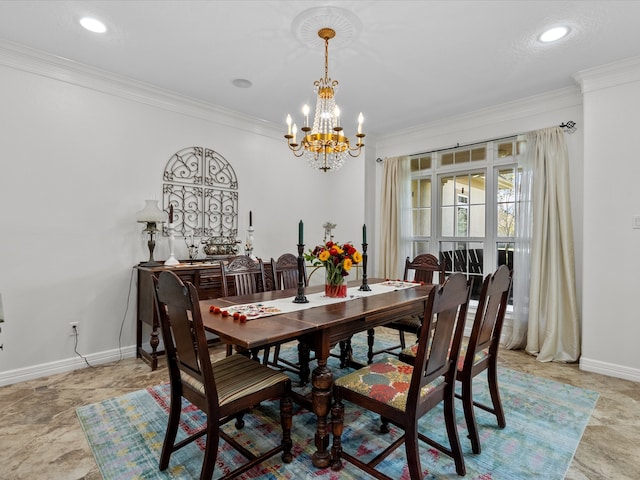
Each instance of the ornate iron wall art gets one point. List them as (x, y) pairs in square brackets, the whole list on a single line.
[(220, 213), (203, 189)]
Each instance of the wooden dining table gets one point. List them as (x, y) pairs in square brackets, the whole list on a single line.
[(320, 328)]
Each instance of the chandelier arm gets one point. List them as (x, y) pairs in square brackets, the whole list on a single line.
[(294, 147), (357, 151), (295, 152)]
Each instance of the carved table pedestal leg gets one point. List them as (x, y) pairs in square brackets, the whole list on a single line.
[(322, 381)]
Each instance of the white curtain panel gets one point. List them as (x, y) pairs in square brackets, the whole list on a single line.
[(553, 328), (395, 213), (522, 253)]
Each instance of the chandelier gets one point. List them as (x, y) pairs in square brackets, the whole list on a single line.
[(324, 146)]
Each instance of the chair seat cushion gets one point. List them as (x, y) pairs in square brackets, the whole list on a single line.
[(386, 381), (237, 376), (413, 349)]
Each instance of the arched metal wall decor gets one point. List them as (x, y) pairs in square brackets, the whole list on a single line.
[(202, 187)]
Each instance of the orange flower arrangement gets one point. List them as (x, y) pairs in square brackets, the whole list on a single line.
[(337, 260)]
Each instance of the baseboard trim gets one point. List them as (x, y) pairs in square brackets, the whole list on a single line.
[(609, 369), (61, 366), (74, 363), (585, 364)]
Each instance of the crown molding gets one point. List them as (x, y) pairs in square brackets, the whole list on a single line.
[(504, 113), (35, 61), (609, 75), (524, 107)]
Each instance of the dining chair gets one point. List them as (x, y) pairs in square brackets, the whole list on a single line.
[(285, 272), (420, 269), (286, 276), (223, 390), (480, 351), (243, 276), (401, 394)]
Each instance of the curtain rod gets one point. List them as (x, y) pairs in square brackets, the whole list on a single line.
[(569, 126)]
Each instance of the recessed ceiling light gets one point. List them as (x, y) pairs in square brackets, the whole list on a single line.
[(93, 25), (553, 34), (241, 83)]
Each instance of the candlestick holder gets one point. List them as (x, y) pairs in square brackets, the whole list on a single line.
[(248, 246), (364, 287), (193, 248), (172, 240), (300, 297)]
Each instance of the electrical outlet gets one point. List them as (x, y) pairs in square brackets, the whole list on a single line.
[(73, 328)]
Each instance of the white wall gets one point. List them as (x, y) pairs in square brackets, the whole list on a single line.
[(81, 151), (611, 318)]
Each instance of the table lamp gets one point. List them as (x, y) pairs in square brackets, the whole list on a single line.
[(151, 215)]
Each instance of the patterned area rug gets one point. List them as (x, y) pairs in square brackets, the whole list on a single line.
[(545, 421)]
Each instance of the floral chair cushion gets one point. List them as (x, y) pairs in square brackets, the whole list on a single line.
[(386, 381), (413, 349)]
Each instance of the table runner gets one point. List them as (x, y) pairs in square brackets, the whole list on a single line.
[(285, 305)]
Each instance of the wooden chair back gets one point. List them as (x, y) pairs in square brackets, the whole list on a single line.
[(487, 324), (439, 343), (242, 276), (482, 351), (285, 272), (185, 342), (423, 267)]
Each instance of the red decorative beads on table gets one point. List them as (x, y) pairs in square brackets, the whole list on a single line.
[(236, 315)]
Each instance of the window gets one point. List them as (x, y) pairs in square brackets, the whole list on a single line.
[(472, 207), (203, 188), (505, 215), (421, 204)]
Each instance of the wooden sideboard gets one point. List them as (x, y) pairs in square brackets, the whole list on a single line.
[(205, 276)]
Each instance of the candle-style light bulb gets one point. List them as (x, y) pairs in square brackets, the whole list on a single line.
[(337, 115), (294, 130), (288, 124), (360, 120), (305, 112)]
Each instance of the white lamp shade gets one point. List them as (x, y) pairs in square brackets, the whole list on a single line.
[(151, 213)]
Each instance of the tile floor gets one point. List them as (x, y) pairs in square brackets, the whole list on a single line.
[(41, 438)]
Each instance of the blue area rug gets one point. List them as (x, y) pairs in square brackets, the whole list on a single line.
[(545, 421)]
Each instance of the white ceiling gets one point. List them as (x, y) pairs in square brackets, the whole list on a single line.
[(411, 62)]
